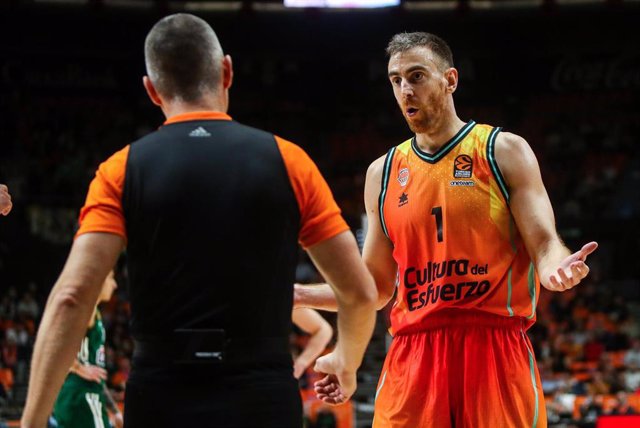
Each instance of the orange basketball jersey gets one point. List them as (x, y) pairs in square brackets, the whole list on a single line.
[(455, 241)]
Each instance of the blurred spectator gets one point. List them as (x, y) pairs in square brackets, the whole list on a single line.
[(591, 409), (28, 307), (593, 348), (632, 356), (632, 378), (622, 406)]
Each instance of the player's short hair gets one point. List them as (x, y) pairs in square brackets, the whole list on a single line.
[(183, 57), (402, 42)]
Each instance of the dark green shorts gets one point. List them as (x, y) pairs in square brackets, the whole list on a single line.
[(78, 407)]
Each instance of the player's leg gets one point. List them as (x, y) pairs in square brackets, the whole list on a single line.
[(501, 386), (413, 389)]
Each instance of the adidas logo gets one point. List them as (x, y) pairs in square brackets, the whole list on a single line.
[(199, 132)]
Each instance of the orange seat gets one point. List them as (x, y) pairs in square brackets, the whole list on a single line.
[(617, 358), (6, 378), (343, 413), (634, 401), (580, 399)]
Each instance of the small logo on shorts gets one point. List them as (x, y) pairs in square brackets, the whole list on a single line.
[(403, 176), (199, 132), (403, 200), (463, 167)]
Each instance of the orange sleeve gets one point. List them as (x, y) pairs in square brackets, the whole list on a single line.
[(319, 213), (102, 211)]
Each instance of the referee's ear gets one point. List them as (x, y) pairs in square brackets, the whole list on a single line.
[(151, 91), (227, 72)]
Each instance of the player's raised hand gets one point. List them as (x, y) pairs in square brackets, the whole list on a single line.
[(338, 385), (571, 270)]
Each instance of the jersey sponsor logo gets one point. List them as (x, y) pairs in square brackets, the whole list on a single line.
[(462, 183), (199, 132), (100, 357), (403, 200), (437, 282), (403, 176), (463, 167), (417, 299)]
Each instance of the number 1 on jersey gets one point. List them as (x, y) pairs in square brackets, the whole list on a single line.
[(437, 212)]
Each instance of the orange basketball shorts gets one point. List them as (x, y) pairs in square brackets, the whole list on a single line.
[(467, 369)]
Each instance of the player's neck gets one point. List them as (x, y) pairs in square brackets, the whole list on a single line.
[(431, 140)]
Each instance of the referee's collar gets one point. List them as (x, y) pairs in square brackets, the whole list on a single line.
[(197, 115)]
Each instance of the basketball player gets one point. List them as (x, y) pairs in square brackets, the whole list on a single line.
[(5, 200), (84, 398), (462, 230), (206, 206)]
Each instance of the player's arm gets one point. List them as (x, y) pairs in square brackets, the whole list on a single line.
[(5, 200), (377, 254), (112, 406), (334, 251), (68, 310), (338, 260), (320, 330), (557, 267)]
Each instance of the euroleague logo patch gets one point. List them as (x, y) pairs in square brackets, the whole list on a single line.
[(403, 176), (463, 167)]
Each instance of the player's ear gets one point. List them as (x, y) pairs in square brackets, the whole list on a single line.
[(151, 91), (227, 72), (451, 76)]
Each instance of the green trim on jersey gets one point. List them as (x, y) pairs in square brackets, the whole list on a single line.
[(383, 188), (536, 412), (532, 290), (446, 148), (512, 241), (491, 156)]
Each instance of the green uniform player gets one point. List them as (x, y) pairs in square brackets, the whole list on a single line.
[(83, 399)]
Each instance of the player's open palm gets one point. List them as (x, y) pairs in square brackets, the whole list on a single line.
[(338, 385), (571, 270)]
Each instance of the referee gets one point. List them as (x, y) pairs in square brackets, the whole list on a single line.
[(211, 213)]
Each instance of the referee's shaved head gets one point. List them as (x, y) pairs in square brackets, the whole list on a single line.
[(183, 57)]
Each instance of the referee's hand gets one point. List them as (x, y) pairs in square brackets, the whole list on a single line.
[(338, 384)]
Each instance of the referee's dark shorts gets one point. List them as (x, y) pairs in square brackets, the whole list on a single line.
[(248, 396)]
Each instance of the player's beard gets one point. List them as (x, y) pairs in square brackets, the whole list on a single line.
[(418, 125), (428, 117)]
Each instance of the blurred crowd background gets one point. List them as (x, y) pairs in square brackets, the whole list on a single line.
[(564, 75)]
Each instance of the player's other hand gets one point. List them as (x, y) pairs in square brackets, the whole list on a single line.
[(91, 373), (5, 200), (299, 367), (338, 384), (118, 422), (571, 270)]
